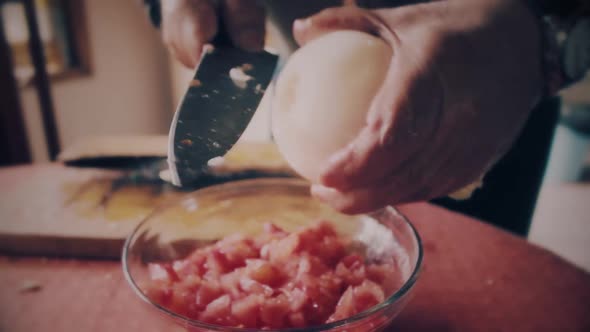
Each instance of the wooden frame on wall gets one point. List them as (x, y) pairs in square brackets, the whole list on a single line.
[(76, 24), (15, 145), (43, 41), (64, 34)]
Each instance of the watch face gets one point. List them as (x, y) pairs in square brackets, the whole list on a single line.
[(576, 57)]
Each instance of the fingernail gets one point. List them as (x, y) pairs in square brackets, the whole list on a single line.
[(250, 39), (322, 192), (339, 157), (301, 23), (336, 165)]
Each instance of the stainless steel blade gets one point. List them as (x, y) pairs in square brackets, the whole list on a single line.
[(216, 109)]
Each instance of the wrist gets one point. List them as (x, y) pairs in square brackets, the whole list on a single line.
[(566, 47)]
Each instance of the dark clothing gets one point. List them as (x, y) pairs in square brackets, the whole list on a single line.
[(509, 194)]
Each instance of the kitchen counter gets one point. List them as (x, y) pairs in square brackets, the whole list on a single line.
[(474, 277)]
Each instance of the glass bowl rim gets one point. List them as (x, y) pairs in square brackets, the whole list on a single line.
[(397, 295)]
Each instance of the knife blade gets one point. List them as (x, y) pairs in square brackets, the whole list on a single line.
[(218, 105)]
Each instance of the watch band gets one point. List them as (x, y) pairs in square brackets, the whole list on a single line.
[(557, 20), (576, 50), (154, 11), (559, 8)]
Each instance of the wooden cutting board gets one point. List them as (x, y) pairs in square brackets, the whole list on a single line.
[(55, 210)]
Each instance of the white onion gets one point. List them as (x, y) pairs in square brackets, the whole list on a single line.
[(323, 94)]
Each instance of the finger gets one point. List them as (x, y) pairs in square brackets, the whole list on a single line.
[(424, 176), (375, 152), (368, 152), (394, 188), (187, 50), (187, 27), (245, 22), (401, 121), (363, 200), (397, 189), (332, 19), (343, 169), (346, 202)]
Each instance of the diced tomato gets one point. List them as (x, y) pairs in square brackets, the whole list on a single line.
[(312, 237), (163, 272), (358, 275), (208, 292), (250, 286), (158, 291), (351, 269), (217, 311), (281, 250), (190, 283), (383, 275), (217, 263), (345, 307), (352, 260), (274, 311), (378, 273), (320, 305), (367, 295), (311, 265), (230, 282), (183, 301), (199, 255), (330, 249), (330, 284), (270, 234), (358, 299), (246, 310), (341, 270), (297, 319), (297, 299), (263, 272), (236, 250), (194, 264), (275, 280)]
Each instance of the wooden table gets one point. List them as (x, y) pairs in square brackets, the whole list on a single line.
[(474, 278)]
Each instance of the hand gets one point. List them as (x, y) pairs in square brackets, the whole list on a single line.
[(187, 25), (463, 78)]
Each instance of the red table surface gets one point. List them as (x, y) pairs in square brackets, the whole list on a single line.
[(474, 278)]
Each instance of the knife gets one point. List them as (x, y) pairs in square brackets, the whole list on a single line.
[(218, 105)]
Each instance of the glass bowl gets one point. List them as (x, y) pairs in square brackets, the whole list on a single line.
[(200, 218)]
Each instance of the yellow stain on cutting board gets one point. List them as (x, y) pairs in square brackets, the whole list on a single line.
[(113, 199), (101, 198)]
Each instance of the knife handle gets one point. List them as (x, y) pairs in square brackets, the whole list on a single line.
[(222, 38)]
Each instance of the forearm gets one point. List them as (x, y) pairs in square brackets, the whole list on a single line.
[(565, 25)]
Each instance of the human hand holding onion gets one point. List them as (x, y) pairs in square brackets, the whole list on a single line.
[(406, 104)]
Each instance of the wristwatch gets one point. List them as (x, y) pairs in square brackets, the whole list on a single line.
[(154, 11), (566, 43)]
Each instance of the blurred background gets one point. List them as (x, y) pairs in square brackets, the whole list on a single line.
[(106, 72)]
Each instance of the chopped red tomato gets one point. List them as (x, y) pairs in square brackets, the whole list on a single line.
[(275, 280)]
